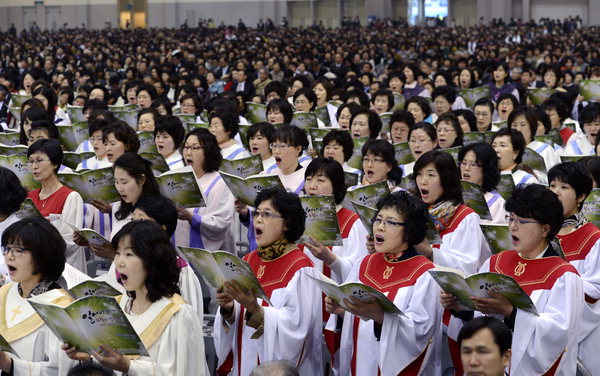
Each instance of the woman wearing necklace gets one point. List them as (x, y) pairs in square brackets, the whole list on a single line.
[(542, 344), (580, 241), (169, 327), (56, 202), (248, 331), (35, 256), (383, 343)]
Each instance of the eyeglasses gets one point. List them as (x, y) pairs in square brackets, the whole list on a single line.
[(511, 220), (300, 102), (186, 105), (37, 161), (279, 146), (445, 130), (266, 215), (387, 223), (373, 160), (419, 142), (469, 164), (14, 251), (194, 148)]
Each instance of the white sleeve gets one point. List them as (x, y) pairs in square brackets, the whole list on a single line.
[(181, 349), (404, 338), (213, 220), (353, 249), (72, 214), (50, 345), (465, 248), (224, 338), (191, 290)]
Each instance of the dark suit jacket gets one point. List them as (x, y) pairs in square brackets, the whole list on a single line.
[(248, 89)]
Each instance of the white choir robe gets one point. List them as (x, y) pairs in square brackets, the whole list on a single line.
[(176, 348), (545, 151), (38, 348), (463, 245), (521, 177), (269, 164), (72, 214), (93, 163), (582, 250), (175, 160), (404, 339), (578, 144), (118, 224), (496, 204), (235, 151), (212, 226), (292, 324), (539, 341), (293, 182)]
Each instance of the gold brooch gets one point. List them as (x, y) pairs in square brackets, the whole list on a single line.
[(388, 272), (520, 268)]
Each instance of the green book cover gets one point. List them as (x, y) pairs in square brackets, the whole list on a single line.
[(125, 107), (432, 234), (72, 159), (473, 137), (318, 146), (130, 117), (70, 136), (15, 112), (193, 125), (321, 220), (147, 144), (473, 198), (366, 214), (479, 285), (403, 154), (591, 207), (204, 115), (158, 161), (243, 131), (385, 121), (570, 158), (408, 183), (246, 189), (5, 346), (323, 115), (75, 113), (13, 149), (506, 186), (398, 102), (304, 120), (535, 161), (28, 209), (9, 138), (92, 184), (353, 289), (319, 133), (182, 188), (18, 99), (18, 163), (90, 322), (355, 160), (93, 288), (500, 124), (538, 95), (498, 237), (186, 119), (489, 136), (256, 112), (369, 195), (571, 126), (93, 237), (589, 89), (218, 267), (473, 95), (453, 152), (551, 138), (351, 178), (244, 167)]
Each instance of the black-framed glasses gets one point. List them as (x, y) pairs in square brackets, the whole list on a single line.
[(520, 221), (387, 223), (266, 214), (14, 251)]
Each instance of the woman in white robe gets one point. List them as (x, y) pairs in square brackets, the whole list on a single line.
[(224, 126), (509, 144), (169, 328)]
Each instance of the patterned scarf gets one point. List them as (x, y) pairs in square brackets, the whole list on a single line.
[(274, 250), (442, 214), (42, 287), (576, 221)]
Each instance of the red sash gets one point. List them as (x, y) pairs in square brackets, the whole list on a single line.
[(578, 243), (461, 212), (389, 277), (53, 204), (531, 275)]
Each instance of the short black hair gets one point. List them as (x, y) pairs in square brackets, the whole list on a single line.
[(530, 117), (98, 125), (283, 106), (557, 104), (291, 135), (591, 164), (275, 86), (397, 74), (123, 133), (160, 209), (363, 98), (500, 332), (573, 174), (413, 211), (333, 171), (33, 113), (51, 147), (486, 157), (197, 102), (13, 193), (49, 127), (139, 169), (148, 88), (94, 104), (212, 152), (374, 121), (342, 138), (510, 97), (162, 101), (172, 126), (50, 96), (264, 128), (447, 92), (150, 243), (309, 94), (451, 119), (402, 116), (448, 171), (385, 150), (90, 369), (485, 102), (326, 85), (43, 241), (350, 106), (104, 92), (289, 206), (469, 118), (426, 127), (384, 93), (537, 202), (589, 114), (230, 122), (423, 104), (516, 139)]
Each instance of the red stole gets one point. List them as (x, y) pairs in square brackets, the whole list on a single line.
[(53, 204), (461, 212), (565, 134), (578, 243), (531, 275), (389, 277)]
